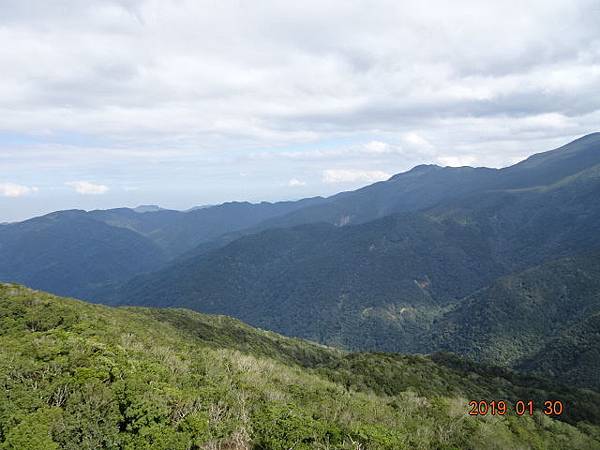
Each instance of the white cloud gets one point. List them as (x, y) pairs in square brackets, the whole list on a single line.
[(457, 160), (16, 190), (332, 176), (194, 71), (87, 188), (415, 141), (377, 147), (295, 182)]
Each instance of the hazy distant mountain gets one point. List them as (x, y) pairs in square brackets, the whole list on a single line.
[(75, 252), (313, 279), (426, 186), (422, 187), (70, 253), (198, 207), (177, 232), (549, 167), (429, 185), (185, 234)]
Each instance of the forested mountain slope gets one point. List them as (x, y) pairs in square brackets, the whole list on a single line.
[(74, 252), (427, 277), (179, 231), (70, 254), (544, 319), (572, 357), (83, 376)]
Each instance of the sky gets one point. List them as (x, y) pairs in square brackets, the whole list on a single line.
[(108, 103)]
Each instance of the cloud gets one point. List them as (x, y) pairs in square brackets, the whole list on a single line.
[(415, 141), (377, 147), (333, 176), (87, 188), (457, 160), (198, 72), (168, 93), (16, 190), (295, 182)]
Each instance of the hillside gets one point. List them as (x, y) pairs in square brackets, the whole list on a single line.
[(177, 232), (419, 188), (76, 252), (326, 283), (82, 376), (549, 167), (544, 319), (573, 355), (70, 254)]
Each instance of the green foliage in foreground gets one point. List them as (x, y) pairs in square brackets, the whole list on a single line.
[(81, 376)]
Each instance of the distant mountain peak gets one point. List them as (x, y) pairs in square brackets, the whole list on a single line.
[(425, 168), (422, 169), (195, 208), (549, 167), (417, 170), (589, 137)]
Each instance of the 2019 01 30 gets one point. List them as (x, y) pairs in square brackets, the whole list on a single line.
[(520, 407)]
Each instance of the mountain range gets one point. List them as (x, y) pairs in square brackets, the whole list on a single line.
[(498, 265)]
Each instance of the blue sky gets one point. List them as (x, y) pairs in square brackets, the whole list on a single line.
[(182, 103)]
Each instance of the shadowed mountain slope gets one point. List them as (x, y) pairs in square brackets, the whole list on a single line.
[(71, 254), (543, 319)]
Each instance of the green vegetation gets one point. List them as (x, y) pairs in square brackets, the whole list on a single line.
[(572, 357), (545, 319), (82, 376), (83, 254)]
